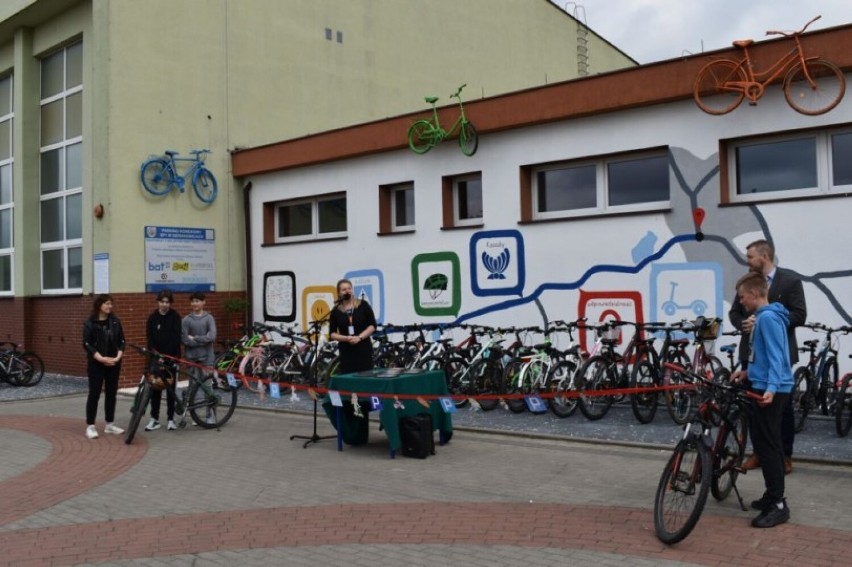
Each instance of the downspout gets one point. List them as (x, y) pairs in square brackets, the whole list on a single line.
[(249, 280)]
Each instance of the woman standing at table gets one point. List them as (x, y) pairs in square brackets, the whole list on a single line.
[(351, 323)]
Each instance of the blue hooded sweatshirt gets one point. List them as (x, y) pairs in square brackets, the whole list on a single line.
[(769, 367)]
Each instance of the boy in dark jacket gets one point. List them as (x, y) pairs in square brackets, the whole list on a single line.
[(163, 333)]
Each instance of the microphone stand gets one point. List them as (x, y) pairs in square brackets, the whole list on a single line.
[(315, 329)]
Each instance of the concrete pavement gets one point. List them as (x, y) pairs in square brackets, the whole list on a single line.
[(247, 495)]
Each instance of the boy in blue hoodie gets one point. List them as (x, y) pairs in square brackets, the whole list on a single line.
[(770, 376)]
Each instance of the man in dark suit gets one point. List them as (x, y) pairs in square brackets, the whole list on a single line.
[(785, 288)]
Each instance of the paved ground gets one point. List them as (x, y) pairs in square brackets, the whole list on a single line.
[(248, 495)]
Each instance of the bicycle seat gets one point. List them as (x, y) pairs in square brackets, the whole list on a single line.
[(811, 344), (171, 153), (728, 348), (431, 99), (679, 342), (742, 43)]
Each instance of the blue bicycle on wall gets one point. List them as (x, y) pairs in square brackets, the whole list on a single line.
[(160, 175)]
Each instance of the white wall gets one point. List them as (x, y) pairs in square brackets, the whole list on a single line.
[(811, 236)]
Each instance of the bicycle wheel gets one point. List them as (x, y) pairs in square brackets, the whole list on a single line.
[(421, 136), (729, 455), (511, 375), (596, 375), (843, 410), (563, 386), (205, 186), (713, 91), (815, 88), (468, 138), (682, 491), (157, 176), (328, 367), (644, 404), (454, 368), (803, 398), (485, 378), (27, 369), (211, 407), (140, 404), (682, 402), (828, 386)]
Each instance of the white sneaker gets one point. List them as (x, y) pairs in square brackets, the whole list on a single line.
[(211, 420), (152, 425), (113, 428), (172, 425), (91, 432)]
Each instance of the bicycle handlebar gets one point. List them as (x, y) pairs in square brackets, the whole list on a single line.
[(694, 377), (458, 92), (792, 33)]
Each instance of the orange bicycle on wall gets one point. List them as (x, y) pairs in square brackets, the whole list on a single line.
[(811, 85)]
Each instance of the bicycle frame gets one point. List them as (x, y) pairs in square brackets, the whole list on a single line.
[(765, 77), (180, 180)]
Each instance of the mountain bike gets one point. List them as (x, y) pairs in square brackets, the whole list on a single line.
[(424, 135), (700, 462), (815, 384), (20, 368), (811, 85), (210, 405), (160, 175), (534, 371), (843, 409)]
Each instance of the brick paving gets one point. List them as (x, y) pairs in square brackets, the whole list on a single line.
[(248, 495)]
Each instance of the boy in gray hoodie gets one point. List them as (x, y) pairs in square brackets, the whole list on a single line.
[(198, 332), (770, 376)]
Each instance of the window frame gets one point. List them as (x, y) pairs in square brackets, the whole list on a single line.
[(824, 166), (315, 235), (530, 186), (65, 244), (395, 193), (450, 198), (9, 252)]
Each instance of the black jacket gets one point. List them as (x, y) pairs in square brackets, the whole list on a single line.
[(163, 332), (106, 339), (786, 289)]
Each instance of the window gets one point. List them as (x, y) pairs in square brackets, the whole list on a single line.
[(6, 190), (462, 200), (805, 164), (396, 208), (61, 170), (625, 183), (310, 219)]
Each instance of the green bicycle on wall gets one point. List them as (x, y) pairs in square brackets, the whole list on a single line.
[(424, 135)]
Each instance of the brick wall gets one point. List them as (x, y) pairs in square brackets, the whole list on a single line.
[(53, 326)]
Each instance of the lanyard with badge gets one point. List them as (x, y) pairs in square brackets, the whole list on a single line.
[(351, 330)]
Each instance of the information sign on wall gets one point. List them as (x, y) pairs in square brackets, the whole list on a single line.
[(180, 259)]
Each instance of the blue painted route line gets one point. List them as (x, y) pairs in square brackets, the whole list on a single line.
[(610, 268)]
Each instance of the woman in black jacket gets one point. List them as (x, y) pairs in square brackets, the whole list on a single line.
[(103, 339)]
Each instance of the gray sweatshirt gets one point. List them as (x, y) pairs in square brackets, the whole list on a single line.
[(203, 330)]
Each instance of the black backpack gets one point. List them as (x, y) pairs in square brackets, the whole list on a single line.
[(415, 432)]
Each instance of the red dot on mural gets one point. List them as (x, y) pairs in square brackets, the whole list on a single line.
[(698, 215)]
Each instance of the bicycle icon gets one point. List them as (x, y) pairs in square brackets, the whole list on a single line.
[(424, 135), (160, 175)]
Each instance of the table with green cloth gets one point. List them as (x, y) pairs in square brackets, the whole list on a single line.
[(387, 383)]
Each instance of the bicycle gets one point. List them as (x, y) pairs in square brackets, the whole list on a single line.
[(533, 370), (701, 463), (20, 368), (843, 409), (160, 175), (202, 393), (815, 383), (424, 135), (811, 85)]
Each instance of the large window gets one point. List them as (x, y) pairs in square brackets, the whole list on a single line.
[(624, 183), (310, 219), (7, 194), (396, 208), (61, 182), (798, 165), (462, 200)]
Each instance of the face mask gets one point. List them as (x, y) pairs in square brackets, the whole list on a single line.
[(346, 296)]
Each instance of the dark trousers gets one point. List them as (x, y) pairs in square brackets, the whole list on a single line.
[(765, 426), (788, 422), (102, 378), (166, 369)]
